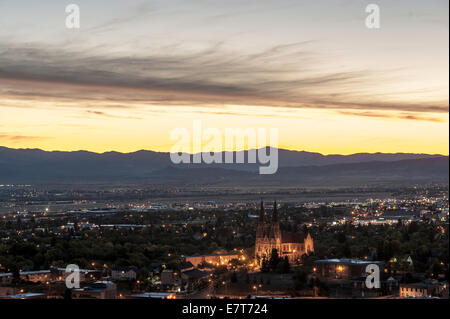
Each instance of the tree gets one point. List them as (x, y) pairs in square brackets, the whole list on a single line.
[(265, 265), (320, 288), (341, 237), (347, 251), (68, 294), (300, 279), (233, 277), (274, 260), (16, 274), (286, 267)]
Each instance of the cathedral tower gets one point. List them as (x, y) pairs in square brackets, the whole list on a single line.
[(289, 245), (275, 232)]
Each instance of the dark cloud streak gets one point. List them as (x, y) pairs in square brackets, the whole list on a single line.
[(207, 78), (20, 138)]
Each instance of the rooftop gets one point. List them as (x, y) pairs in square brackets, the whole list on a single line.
[(24, 295), (291, 237), (347, 261), (153, 295), (213, 255), (425, 284), (195, 273)]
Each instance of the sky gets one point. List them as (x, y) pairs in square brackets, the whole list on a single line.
[(136, 70)]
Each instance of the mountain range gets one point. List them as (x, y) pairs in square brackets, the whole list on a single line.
[(36, 166)]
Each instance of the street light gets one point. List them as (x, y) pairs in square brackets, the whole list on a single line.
[(256, 288)]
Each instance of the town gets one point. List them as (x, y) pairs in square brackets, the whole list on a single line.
[(129, 247)]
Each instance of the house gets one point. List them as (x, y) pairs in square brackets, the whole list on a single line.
[(60, 274), (97, 290), (168, 277), (424, 289), (218, 259), (347, 278), (194, 278), (186, 266), (124, 273), (33, 276), (5, 291), (36, 276), (6, 278)]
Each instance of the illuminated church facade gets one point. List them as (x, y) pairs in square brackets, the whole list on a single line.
[(288, 244)]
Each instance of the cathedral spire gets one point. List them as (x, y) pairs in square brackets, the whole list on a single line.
[(261, 213), (275, 213)]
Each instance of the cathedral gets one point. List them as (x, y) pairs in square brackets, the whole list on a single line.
[(288, 244)]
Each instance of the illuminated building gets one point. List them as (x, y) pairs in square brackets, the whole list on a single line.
[(288, 244)]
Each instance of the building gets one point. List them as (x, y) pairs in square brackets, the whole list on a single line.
[(343, 268), (347, 278), (194, 278), (5, 291), (36, 276), (28, 295), (153, 295), (60, 274), (97, 290), (6, 278), (168, 278), (288, 244), (186, 266), (217, 260), (32, 276), (425, 289), (124, 273)]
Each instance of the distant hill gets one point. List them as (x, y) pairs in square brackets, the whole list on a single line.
[(295, 167), (376, 172)]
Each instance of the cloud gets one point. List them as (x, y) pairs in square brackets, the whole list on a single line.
[(137, 12), (281, 76), (12, 138), (394, 116), (104, 114)]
